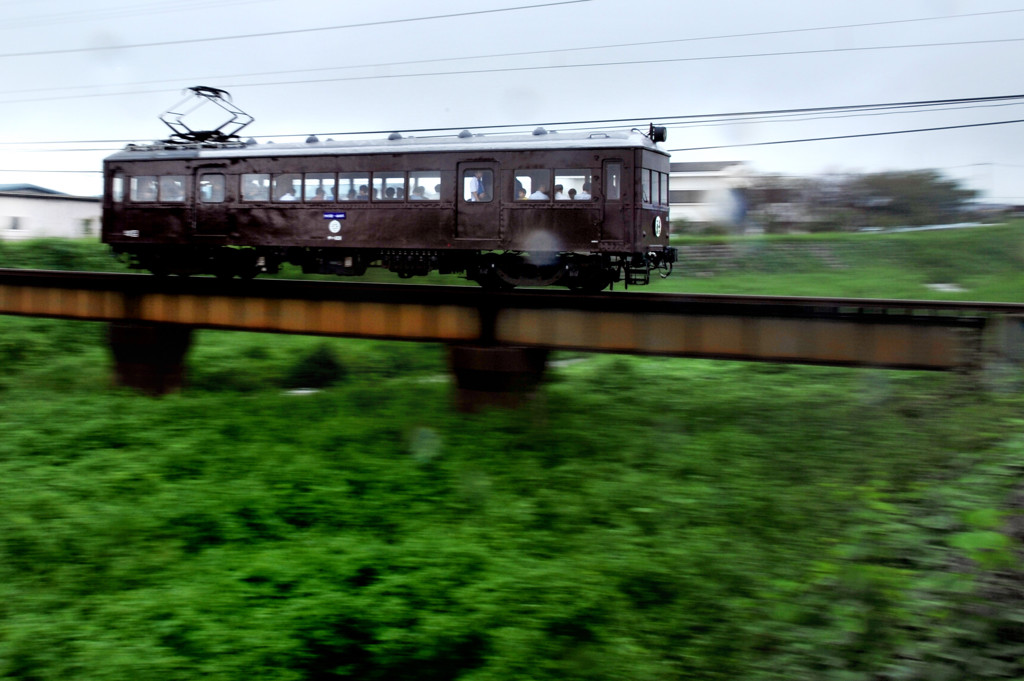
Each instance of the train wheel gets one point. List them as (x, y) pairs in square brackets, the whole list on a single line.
[(590, 279), (520, 273), (488, 273), (494, 281)]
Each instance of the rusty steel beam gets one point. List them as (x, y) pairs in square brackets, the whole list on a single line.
[(297, 307), (848, 332), (903, 342)]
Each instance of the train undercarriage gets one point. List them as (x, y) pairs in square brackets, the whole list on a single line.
[(492, 270)]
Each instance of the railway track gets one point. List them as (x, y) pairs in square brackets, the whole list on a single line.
[(616, 301)]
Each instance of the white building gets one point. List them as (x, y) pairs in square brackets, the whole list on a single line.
[(31, 212), (709, 192)]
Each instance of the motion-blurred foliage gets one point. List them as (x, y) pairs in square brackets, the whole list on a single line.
[(981, 263), (59, 254), (642, 519)]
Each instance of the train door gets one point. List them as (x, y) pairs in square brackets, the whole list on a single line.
[(477, 204), (616, 204), (210, 210)]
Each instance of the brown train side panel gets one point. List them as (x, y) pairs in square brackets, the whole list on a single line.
[(598, 225)]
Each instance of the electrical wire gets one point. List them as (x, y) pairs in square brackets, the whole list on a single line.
[(548, 67), (704, 148), (314, 29), (501, 55), (745, 116), (733, 146), (103, 14), (846, 137)]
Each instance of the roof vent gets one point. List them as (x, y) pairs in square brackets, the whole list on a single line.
[(395, 136), (464, 134), (540, 131), (251, 141), (312, 139)]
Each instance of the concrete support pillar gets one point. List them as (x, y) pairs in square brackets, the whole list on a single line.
[(1010, 338), (495, 376), (149, 357)]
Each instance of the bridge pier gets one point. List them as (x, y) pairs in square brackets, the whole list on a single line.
[(497, 376), (149, 357), (1009, 331)]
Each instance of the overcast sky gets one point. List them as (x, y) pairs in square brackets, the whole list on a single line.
[(93, 73)]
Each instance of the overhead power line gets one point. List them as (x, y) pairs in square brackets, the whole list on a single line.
[(720, 146), (929, 105), (632, 62), (502, 55), (713, 147), (846, 137), (548, 67), (804, 117), (95, 13), (691, 118), (314, 29)]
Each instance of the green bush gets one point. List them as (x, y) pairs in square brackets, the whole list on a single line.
[(642, 518), (318, 368), (60, 254)]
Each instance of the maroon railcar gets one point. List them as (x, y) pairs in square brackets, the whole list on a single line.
[(576, 209)]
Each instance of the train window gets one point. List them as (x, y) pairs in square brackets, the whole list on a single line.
[(664, 189), (575, 185), (172, 188), (645, 175), (425, 185), (534, 185), (613, 181), (255, 187), (286, 187), (319, 187), (143, 188), (389, 186), (117, 188), (478, 185), (353, 187), (211, 188)]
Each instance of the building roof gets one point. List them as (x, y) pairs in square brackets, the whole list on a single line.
[(703, 167), (29, 189), (35, 192)]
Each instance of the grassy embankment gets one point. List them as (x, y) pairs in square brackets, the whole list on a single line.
[(643, 519), (985, 262)]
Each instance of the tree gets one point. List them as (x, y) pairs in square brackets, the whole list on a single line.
[(914, 197), (850, 201)]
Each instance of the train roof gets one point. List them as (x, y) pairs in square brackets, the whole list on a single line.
[(540, 139)]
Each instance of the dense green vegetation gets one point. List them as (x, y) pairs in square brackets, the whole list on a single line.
[(59, 254), (987, 263), (640, 519)]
